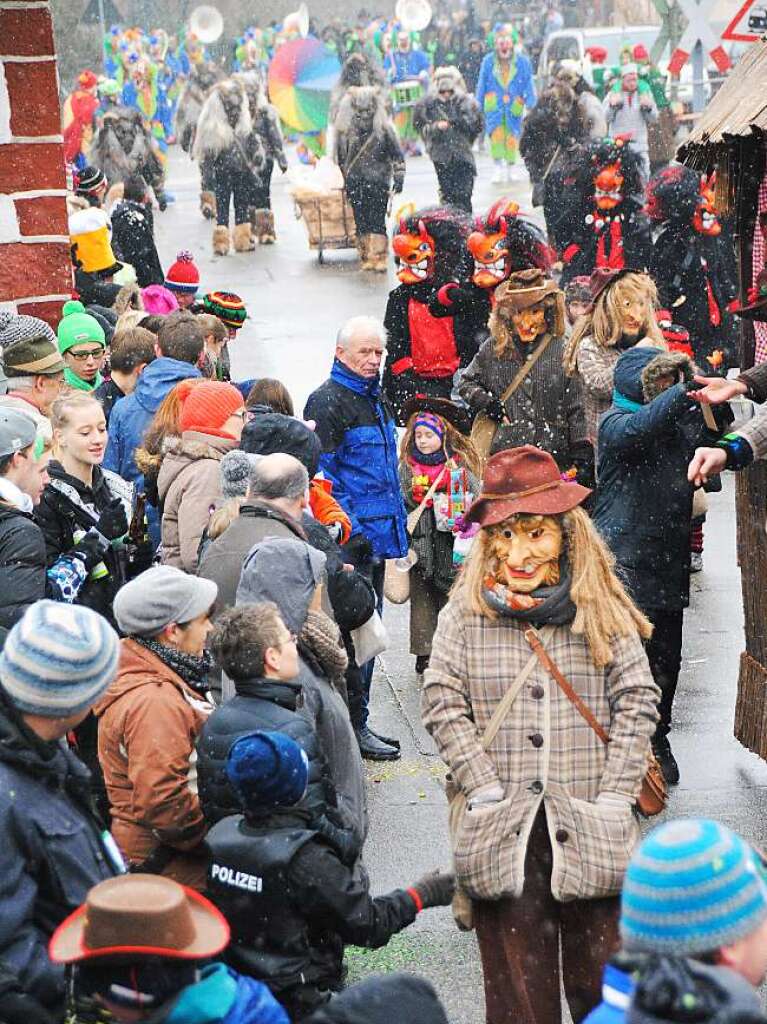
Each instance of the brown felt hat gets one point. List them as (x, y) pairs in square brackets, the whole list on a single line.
[(524, 288), (523, 480), (140, 915), (603, 277)]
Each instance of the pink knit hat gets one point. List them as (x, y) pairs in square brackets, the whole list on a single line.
[(158, 300)]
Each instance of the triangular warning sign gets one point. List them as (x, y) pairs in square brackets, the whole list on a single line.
[(749, 24)]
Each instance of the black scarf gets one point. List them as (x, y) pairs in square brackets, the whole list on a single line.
[(433, 459), (627, 341), (192, 669), (556, 607)]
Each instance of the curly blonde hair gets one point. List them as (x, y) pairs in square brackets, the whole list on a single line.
[(604, 322), (604, 611)]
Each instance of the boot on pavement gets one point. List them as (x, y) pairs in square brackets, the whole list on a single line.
[(662, 750), (266, 232), (243, 238), (379, 253), (373, 749), (208, 205), (220, 240)]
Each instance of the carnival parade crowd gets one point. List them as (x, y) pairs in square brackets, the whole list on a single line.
[(193, 571)]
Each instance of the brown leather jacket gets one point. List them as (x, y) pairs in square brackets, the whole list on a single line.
[(149, 721)]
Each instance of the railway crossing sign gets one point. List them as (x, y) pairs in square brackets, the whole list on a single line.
[(698, 30)]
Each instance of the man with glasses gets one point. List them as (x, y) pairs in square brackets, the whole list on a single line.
[(449, 121), (82, 345)]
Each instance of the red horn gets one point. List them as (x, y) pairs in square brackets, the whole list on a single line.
[(402, 226), (422, 230), (502, 225)]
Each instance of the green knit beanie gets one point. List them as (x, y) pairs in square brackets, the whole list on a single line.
[(77, 327)]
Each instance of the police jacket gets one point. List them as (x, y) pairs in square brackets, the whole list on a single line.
[(273, 706), (291, 904), (359, 455), (51, 854)]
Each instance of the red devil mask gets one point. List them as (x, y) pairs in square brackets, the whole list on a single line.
[(489, 246), (414, 252), (608, 187), (705, 220)]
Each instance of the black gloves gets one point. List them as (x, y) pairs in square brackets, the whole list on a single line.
[(20, 1008), (397, 185), (435, 889), (496, 410), (358, 550), (113, 521), (91, 549)]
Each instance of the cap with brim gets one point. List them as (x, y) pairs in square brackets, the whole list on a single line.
[(454, 414), (523, 480), (140, 915), (17, 432), (37, 357), (524, 289)]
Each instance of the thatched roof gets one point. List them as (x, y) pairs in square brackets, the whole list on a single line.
[(737, 110)]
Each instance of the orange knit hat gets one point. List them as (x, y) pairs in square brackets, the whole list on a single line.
[(209, 405)]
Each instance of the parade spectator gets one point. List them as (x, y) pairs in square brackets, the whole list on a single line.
[(130, 353), (255, 649), (188, 484), (179, 344), (34, 368), (629, 108), (504, 89), (82, 344), (215, 335), (296, 945), (644, 505), (183, 279), (133, 232), (23, 476), (577, 300), (164, 425), (290, 574), (371, 161), (142, 946), (55, 663), (544, 840), (622, 313), (374, 1000), (740, 448), (272, 393), (359, 441), (449, 121), (149, 721), (693, 930)]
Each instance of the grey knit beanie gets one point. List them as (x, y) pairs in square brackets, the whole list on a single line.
[(159, 596), (236, 473), (58, 659)]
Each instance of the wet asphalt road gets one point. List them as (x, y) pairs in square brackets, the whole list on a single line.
[(295, 308)]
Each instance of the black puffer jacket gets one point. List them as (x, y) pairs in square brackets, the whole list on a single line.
[(51, 854), (672, 990), (22, 565), (273, 706), (289, 926)]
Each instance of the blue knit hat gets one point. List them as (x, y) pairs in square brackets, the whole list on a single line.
[(267, 769), (692, 886), (58, 659)]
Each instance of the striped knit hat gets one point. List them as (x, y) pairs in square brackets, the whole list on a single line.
[(228, 307), (58, 659), (692, 886)]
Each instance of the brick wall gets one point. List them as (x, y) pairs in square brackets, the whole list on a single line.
[(35, 268)]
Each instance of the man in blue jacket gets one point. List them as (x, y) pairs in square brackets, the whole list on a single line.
[(179, 344), (359, 442)]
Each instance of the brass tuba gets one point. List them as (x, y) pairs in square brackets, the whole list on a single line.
[(413, 15), (206, 23), (297, 21)]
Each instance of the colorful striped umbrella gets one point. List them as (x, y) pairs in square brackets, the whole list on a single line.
[(301, 76)]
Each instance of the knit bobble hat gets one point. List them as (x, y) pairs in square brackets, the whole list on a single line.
[(183, 275), (77, 327), (209, 406), (267, 769), (228, 307), (692, 886), (236, 473), (58, 659)]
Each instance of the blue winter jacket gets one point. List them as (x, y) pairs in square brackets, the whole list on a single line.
[(359, 441), (617, 989), (497, 102), (131, 416), (222, 996)]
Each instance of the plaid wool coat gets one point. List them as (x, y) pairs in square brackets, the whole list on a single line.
[(544, 752)]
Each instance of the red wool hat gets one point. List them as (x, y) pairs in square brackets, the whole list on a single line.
[(183, 275), (86, 79), (209, 405)]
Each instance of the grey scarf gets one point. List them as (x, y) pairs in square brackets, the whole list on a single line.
[(556, 607)]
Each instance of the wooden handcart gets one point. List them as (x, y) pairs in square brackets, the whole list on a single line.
[(329, 220)]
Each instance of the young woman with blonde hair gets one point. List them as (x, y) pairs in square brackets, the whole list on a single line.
[(622, 315)]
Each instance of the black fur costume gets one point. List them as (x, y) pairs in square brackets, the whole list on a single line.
[(695, 273), (123, 147)]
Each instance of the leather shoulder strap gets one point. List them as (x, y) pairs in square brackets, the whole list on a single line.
[(524, 370), (532, 637), (508, 699)]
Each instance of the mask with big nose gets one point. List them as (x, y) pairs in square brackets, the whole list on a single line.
[(524, 553)]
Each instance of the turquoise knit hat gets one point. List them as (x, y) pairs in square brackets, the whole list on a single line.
[(692, 886), (78, 327)]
